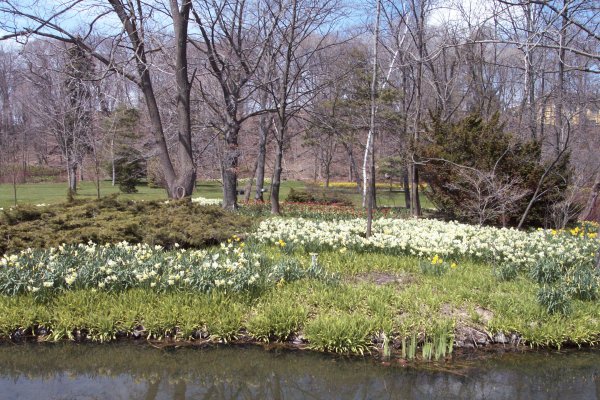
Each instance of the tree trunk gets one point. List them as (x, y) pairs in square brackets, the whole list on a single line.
[(276, 183), (182, 184), (559, 121), (422, 50), (354, 174), (186, 179), (370, 150), (592, 200), (261, 157), (327, 167), (14, 182), (112, 161), (530, 74), (230, 165), (157, 131), (248, 187), (365, 169), (72, 174), (406, 183), (415, 204)]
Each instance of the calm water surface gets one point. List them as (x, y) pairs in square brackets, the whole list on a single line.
[(141, 372)]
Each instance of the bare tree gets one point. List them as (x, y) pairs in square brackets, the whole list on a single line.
[(230, 38), (136, 18), (489, 197), (299, 37), (370, 149)]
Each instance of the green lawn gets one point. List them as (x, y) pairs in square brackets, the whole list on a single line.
[(385, 198), (52, 193)]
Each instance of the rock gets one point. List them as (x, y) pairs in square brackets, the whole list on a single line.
[(138, 332), (17, 335), (298, 340), (515, 339), (484, 314), (501, 338), (467, 336), (120, 334), (41, 331)]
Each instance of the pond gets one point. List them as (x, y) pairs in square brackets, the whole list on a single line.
[(131, 371)]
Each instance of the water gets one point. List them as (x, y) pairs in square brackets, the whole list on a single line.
[(128, 371)]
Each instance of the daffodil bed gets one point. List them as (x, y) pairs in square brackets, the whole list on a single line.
[(318, 284), (232, 266), (429, 237)]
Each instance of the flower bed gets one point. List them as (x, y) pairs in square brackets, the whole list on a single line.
[(122, 266), (427, 238)]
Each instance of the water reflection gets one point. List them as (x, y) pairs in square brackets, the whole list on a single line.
[(141, 372)]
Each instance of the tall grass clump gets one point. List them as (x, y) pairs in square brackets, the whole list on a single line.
[(343, 333), (277, 318)]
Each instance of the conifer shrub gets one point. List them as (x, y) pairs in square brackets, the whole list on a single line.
[(112, 220), (479, 173), (317, 196)]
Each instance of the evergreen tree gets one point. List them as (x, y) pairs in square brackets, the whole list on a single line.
[(128, 162), (479, 173)]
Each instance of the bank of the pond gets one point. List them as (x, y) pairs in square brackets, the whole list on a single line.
[(375, 312)]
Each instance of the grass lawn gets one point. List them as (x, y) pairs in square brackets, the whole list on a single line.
[(385, 198), (53, 193)]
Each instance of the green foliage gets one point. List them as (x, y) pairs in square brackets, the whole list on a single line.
[(130, 168), (555, 299), (346, 333), (277, 318), (21, 214), (154, 174), (391, 166), (318, 196), (435, 267), (547, 271), (129, 164), (506, 271), (299, 196), (583, 283), (233, 267), (479, 145), (409, 347), (562, 281), (111, 220)]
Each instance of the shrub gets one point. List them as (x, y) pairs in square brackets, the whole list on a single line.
[(111, 220), (129, 169), (487, 175), (21, 213), (299, 196), (42, 173), (318, 196)]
